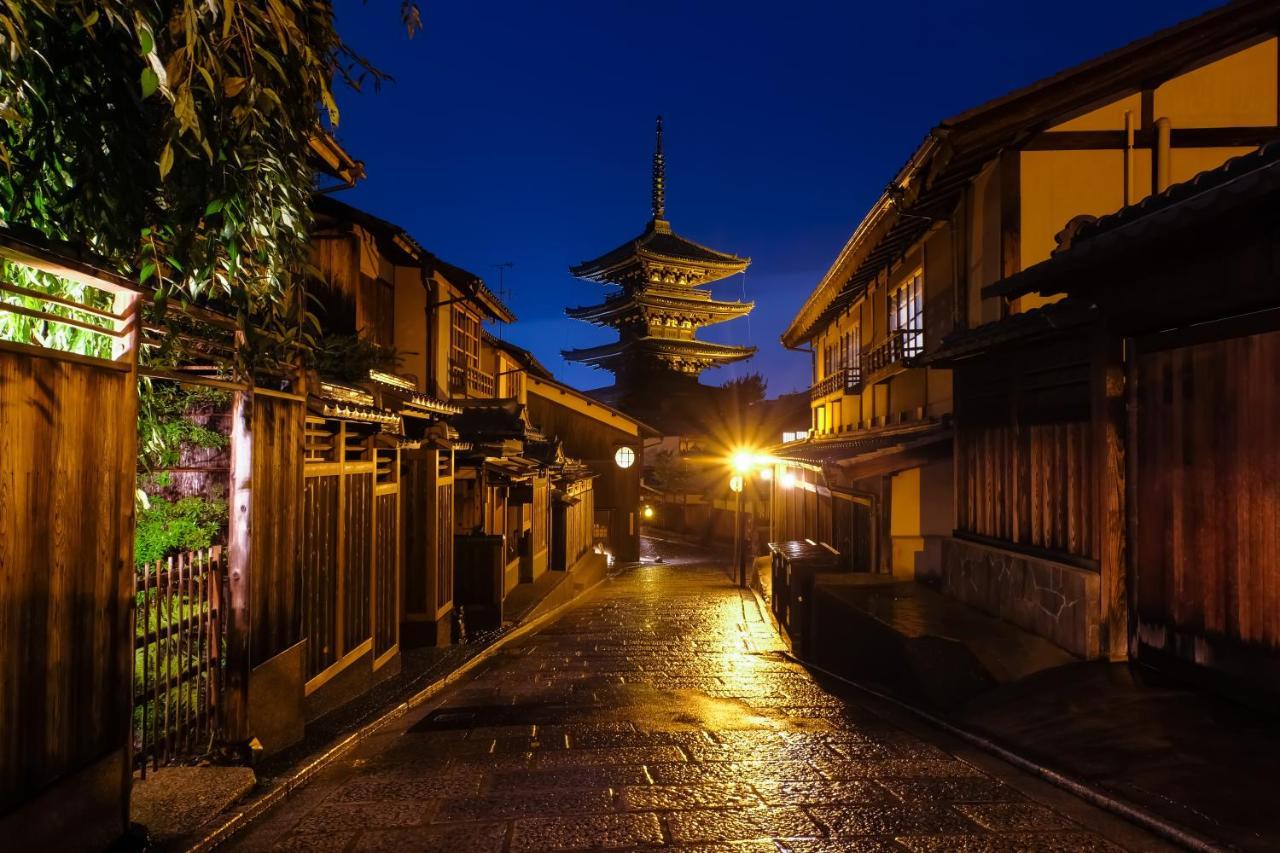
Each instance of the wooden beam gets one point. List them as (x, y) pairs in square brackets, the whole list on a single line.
[(1010, 175), (1144, 137), (1108, 423)]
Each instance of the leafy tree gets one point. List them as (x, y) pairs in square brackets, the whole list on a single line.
[(172, 136), (745, 390), (672, 473)]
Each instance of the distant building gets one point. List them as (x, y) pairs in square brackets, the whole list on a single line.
[(657, 311)]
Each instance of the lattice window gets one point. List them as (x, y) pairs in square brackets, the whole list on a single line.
[(906, 314)]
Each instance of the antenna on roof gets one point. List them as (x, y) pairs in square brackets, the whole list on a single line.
[(659, 177), (502, 291)]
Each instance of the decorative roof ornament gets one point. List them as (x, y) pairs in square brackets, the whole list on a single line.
[(659, 177)]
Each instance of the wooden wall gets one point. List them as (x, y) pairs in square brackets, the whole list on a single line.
[(1206, 553), (1024, 449), (67, 460)]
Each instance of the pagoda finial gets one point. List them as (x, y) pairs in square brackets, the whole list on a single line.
[(659, 177)]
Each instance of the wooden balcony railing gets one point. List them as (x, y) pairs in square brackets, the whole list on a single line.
[(471, 382), (901, 347), (847, 380)]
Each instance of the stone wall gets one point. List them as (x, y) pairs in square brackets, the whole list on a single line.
[(1058, 602)]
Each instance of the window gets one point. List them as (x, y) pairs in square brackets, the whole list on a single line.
[(853, 345), (464, 349), (906, 314)]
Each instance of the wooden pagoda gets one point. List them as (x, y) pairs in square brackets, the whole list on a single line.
[(659, 306)]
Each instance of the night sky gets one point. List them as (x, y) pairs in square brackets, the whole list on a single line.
[(522, 132)]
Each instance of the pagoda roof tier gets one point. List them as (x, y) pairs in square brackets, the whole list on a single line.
[(689, 352), (660, 255), (627, 305)]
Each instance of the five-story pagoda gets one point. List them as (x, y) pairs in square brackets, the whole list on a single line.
[(658, 308)]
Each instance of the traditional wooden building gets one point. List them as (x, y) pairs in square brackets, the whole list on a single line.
[(1160, 384), (658, 308), (611, 443), (985, 196)]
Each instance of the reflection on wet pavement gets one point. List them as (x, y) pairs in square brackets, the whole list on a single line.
[(658, 713)]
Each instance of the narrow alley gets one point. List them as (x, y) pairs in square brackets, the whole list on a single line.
[(662, 711)]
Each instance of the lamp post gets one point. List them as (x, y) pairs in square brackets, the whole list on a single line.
[(737, 483)]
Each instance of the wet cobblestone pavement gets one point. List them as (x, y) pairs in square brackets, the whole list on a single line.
[(660, 712)]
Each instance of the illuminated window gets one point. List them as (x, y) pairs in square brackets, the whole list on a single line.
[(625, 457), (906, 314)]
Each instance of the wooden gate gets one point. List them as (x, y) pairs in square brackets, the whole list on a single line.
[(350, 549), (1206, 519), (68, 451), (178, 645)]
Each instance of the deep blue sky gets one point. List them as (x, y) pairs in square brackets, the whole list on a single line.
[(522, 132)]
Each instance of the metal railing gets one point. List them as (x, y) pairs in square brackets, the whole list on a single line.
[(847, 380)]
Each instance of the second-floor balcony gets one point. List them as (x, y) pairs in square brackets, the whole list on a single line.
[(471, 382), (846, 380), (901, 347)]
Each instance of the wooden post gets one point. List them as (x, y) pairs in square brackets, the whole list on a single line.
[(1107, 389), (235, 718)]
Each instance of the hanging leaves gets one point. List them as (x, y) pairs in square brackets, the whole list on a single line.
[(173, 138)]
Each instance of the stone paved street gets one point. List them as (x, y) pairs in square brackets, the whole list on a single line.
[(661, 712)]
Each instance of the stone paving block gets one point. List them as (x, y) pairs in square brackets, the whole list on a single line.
[(707, 795), (1014, 817), (733, 771), (821, 793), (389, 786), (1054, 842), (589, 831), (322, 842), (895, 769), (741, 824), (597, 776), (340, 817), (622, 755), (889, 819), (963, 789), (613, 740), (454, 838), (503, 805)]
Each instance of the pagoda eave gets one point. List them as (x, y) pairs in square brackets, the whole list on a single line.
[(606, 313)]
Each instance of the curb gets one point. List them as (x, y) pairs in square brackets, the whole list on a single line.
[(251, 811), (1153, 823)]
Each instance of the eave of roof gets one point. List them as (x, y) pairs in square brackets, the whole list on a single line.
[(625, 304), (695, 349), (1240, 181), (958, 147), (659, 244)]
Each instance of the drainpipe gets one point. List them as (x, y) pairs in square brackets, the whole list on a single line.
[(1164, 131)]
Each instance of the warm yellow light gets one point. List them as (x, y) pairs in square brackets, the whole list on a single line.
[(648, 512), (788, 480), (735, 482), (742, 461), (766, 474), (624, 457)]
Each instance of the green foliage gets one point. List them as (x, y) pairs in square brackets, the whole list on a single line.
[(31, 330), (188, 524), (165, 423), (672, 473), (746, 389), (173, 138), (350, 357)]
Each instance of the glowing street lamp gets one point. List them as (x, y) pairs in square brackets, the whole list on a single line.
[(647, 512), (735, 483)]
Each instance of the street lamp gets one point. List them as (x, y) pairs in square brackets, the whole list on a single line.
[(745, 463)]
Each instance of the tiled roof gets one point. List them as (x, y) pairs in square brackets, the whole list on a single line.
[(1207, 196), (693, 348), (658, 242)]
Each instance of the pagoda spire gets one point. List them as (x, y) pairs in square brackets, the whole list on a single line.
[(659, 178)]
